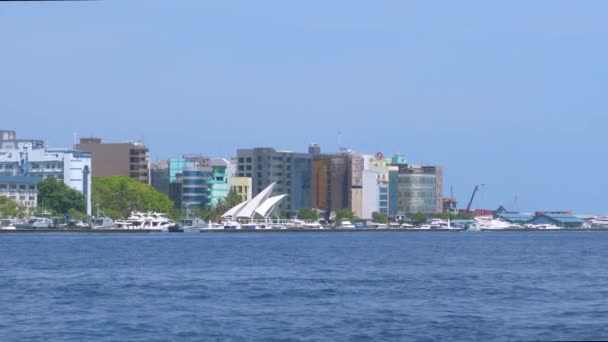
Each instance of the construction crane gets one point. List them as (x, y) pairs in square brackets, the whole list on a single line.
[(472, 197)]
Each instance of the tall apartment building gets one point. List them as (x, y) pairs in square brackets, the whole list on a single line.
[(338, 182), (290, 170), (30, 158), (131, 159)]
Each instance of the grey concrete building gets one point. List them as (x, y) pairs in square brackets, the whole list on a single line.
[(290, 170)]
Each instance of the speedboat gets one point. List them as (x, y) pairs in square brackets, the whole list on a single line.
[(346, 225)]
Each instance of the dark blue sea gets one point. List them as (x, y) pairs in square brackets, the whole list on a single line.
[(304, 286)]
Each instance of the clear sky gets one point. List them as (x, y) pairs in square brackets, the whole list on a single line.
[(509, 94)]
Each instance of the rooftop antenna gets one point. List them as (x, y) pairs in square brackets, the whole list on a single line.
[(339, 140)]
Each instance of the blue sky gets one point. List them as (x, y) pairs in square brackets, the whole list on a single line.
[(510, 94)]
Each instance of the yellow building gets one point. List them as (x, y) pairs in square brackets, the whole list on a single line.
[(242, 186)]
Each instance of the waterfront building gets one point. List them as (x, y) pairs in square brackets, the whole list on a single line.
[(559, 218), (130, 159), (419, 189), (30, 158), (196, 190), (177, 165), (159, 176), (376, 186), (218, 182), (242, 186), (291, 171), (198, 181), (21, 189), (338, 182)]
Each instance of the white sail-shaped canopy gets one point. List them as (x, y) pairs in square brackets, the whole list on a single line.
[(249, 208), (234, 210), (266, 208)]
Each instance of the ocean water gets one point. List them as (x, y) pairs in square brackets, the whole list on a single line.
[(304, 286)]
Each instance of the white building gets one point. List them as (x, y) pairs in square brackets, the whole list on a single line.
[(375, 186), (23, 158)]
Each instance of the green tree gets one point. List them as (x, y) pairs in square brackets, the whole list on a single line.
[(118, 196), (344, 214), (308, 214), (59, 198), (232, 199), (418, 218), (8, 207), (379, 217)]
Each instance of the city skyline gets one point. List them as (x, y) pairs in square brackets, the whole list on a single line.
[(506, 95)]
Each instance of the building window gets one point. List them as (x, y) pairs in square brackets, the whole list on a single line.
[(32, 198), (241, 168), (2, 186), (241, 160), (249, 160), (248, 167), (12, 186)]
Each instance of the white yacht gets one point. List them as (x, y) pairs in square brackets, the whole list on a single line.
[(543, 226), (8, 224), (313, 225), (346, 225), (149, 221), (599, 222), (490, 223)]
